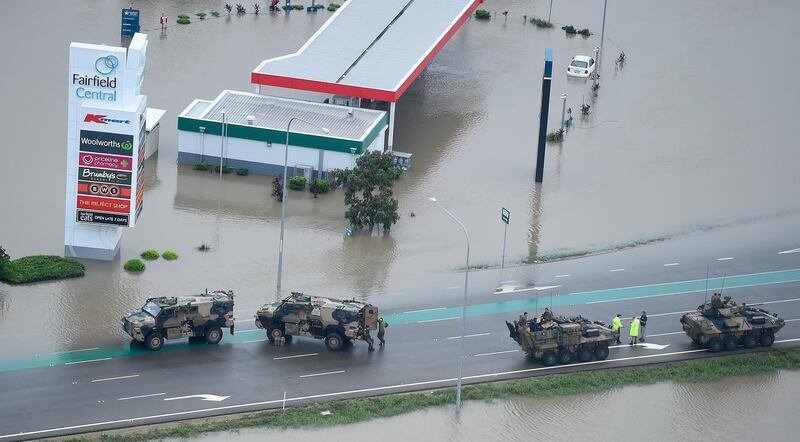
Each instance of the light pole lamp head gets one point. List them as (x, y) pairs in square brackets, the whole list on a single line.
[(353, 150), (433, 198), (325, 130), (202, 129), (563, 96)]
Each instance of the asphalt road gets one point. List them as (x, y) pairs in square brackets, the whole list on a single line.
[(84, 390)]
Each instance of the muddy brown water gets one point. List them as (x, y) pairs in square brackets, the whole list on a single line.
[(722, 410), (694, 131)]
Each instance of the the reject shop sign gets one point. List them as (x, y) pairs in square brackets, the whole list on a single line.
[(103, 204), (105, 161)]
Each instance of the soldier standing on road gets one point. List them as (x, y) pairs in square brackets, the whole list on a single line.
[(642, 325), (634, 330), (616, 325), (382, 330), (365, 334)]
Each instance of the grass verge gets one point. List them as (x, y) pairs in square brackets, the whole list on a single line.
[(363, 409), (40, 268)]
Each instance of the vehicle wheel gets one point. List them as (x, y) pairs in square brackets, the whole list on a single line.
[(749, 341), (585, 354), (564, 356), (549, 358), (715, 345), (334, 341), (213, 334), (601, 352), (731, 343), (767, 339), (275, 332), (154, 341)]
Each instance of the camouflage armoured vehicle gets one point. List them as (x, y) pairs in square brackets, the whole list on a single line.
[(562, 340), (181, 317), (722, 324), (337, 322)]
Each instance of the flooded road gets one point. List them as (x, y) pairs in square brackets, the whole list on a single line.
[(660, 412), (694, 132)]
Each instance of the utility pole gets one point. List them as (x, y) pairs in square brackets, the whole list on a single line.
[(602, 40), (563, 110), (505, 216)]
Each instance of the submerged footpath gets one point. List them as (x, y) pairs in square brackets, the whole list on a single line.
[(364, 409)]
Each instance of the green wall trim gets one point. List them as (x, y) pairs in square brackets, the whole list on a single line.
[(279, 136)]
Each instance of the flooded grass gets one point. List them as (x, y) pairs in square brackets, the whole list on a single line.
[(363, 409), (40, 268)]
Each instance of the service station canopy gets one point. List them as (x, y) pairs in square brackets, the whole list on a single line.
[(369, 49)]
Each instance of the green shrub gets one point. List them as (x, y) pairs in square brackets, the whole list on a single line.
[(317, 186), (585, 32), (183, 16), (183, 21), (202, 165), (482, 14), (541, 23), (333, 6), (555, 137), (134, 265), (4, 259), (150, 254), (569, 29), (202, 15), (298, 7), (215, 13), (169, 255), (297, 183), (242, 172), (39, 268), (225, 169)]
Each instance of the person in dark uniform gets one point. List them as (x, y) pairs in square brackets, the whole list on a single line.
[(382, 330)]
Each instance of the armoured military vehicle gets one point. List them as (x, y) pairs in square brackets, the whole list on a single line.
[(201, 316), (722, 324), (562, 340), (337, 322)]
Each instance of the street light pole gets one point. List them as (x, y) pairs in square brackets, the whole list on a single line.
[(563, 110), (283, 200), (602, 37), (551, 10), (222, 142), (463, 305)]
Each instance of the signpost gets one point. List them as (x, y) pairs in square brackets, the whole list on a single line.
[(505, 216)]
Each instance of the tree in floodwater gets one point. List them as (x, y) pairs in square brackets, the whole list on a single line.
[(368, 191)]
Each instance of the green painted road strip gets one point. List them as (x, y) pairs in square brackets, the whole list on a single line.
[(511, 306)]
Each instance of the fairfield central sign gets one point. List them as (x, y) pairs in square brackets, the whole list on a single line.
[(105, 143)]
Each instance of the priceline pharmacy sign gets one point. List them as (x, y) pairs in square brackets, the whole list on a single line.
[(101, 85)]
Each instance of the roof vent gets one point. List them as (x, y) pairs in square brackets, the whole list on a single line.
[(251, 119)]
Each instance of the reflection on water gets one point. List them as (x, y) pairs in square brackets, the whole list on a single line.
[(739, 409), (670, 145)]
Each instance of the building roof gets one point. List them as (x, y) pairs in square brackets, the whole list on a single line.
[(348, 127), (369, 49)]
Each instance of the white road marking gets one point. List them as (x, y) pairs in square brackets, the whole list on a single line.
[(75, 351), (647, 345), (617, 270), (295, 356), (778, 301), (437, 320), (790, 320), (785, 252), (116, 378), (90, 360), (671, 264), (539, 288), (470, 336), (343, 393), (205, 397), (250, 342), (321, 374), (453, 287), (697, 291), (563, 276), (670, 313), (425, 310), (250, 330), (665, 334), (497, 353), (727, 258), (142, 396)]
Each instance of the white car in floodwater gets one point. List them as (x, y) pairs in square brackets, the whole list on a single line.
[(581, 66)]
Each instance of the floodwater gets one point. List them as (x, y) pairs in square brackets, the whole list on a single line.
[(694, 131), (662, 412)]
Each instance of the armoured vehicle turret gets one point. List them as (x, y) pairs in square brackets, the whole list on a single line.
[(336, 321), (723, 324), (561, 339), (201, 316)]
